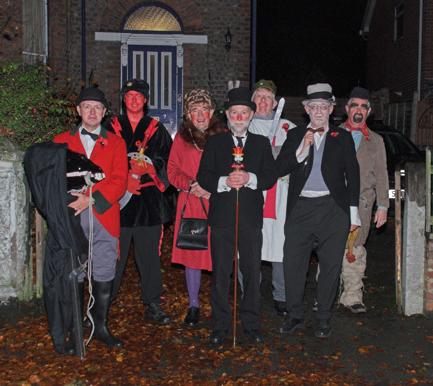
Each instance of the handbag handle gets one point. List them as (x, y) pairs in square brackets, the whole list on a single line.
[(184, 205)]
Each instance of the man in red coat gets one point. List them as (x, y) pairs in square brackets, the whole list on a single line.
[(108, 152)]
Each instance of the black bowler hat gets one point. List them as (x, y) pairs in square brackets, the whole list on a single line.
[(92, 94), (138, 85), (359, 92), (240, 96)]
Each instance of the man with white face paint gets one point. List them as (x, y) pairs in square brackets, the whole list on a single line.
[(371, 155), (228, 187), (266, 123), (322, 206)]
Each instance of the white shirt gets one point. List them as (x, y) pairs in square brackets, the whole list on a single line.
[(87, 140)]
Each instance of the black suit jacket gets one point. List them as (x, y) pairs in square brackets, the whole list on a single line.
[(216, 162), (340, 167)]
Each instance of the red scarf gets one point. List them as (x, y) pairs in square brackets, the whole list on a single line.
[(363, 129)]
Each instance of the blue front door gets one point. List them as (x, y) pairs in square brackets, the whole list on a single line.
[(157, 65)]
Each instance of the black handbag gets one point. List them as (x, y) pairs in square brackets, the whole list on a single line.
[(192, 231)]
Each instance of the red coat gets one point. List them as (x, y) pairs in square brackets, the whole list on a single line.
[(110, 155), (182, 168)]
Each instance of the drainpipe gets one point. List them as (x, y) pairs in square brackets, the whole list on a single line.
[(253, 41), (83, 42), (45, 5), (417, 93)]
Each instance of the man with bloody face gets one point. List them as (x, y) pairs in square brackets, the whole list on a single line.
[(142, 218), (371, 155)]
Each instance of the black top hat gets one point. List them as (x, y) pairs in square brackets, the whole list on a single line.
[(359, 92), (138, 85), (240, 96), (92, 94)]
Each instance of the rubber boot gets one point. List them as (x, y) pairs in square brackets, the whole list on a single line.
[(102, 294)]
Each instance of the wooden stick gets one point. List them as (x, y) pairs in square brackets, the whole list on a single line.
[(235, 267)]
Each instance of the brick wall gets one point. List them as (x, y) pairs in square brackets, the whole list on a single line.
[(392, 64), (209, 66), (11, 32), (427, 47)]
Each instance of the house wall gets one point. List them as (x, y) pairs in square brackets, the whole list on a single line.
[(11, 32), (393, 64), (427, 47), (209, 66)]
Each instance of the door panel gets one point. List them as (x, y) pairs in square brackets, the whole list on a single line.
[(157, 65)]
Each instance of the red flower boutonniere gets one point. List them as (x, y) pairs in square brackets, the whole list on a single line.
[(285, 127), (334, 134), (102, 141)]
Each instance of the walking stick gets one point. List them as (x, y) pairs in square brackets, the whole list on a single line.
[(238, 155)]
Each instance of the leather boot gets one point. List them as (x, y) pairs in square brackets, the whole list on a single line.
[(70, 343), (102, 294)]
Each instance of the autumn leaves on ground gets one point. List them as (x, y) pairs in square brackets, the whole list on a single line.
[(174, 354)]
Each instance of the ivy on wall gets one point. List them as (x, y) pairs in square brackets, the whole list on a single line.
[(31, 110)]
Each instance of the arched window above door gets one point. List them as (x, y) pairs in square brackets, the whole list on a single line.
[(153, 18)]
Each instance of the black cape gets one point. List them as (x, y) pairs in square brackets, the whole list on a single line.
[(45, 168)]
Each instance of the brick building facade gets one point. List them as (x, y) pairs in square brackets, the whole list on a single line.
[(400, 62), (194, 54)]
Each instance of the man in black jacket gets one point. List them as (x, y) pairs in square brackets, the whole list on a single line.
[(322, 206), (149, 206), (217, 176)]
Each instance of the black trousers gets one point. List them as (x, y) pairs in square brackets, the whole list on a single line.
[(146, 248), (222, 249), (321, 224)]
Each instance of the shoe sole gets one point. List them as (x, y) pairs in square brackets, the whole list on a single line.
[(322, 336), (299, 326)]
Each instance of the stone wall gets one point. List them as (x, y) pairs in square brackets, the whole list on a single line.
[(14, 228)]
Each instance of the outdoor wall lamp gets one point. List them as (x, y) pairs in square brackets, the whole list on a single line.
[(228, 40)]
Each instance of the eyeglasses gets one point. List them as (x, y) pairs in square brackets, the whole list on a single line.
[(321, 107)]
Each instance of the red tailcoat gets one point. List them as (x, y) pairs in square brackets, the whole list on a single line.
[(109, 154)]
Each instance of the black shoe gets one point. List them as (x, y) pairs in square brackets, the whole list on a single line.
[(192, 317), (357, 308), (254, 336), (155, 313), (323, 329), (280, 307), (291, 325), (217, 337)]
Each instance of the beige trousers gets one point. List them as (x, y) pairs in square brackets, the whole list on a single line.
[(351, 277)]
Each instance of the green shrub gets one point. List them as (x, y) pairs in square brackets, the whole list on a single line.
[(30, 110)]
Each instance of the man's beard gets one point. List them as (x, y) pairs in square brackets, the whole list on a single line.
[(237, 129), (358, 118)]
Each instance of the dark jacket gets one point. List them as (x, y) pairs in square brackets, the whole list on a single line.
[(151, 207), (340, 168), (216, 162)]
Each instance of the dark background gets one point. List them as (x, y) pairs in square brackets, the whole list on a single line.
[(309, 41)]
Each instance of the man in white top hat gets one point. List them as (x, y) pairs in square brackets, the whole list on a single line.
[(267, 122), (322, 206)]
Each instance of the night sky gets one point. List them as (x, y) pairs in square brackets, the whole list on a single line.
[(310, 41)]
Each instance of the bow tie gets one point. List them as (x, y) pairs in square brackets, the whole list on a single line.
[(320, 130), (91, 135)]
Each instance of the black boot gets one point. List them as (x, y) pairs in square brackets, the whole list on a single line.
[(70, 344), (102, 294)]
